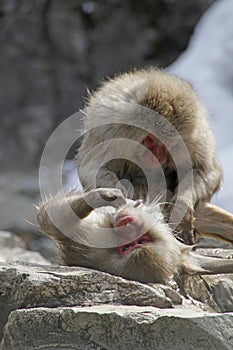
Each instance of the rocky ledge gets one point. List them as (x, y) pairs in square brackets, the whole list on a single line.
[(58, 307), (43, 306)]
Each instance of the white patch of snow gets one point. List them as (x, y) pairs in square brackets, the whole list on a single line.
[(208, 65)]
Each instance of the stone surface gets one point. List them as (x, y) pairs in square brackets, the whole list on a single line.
[(116, 327), (18, 197), (58, 307), (9, 240), (12, 248), (216, 290), (24, 286), (52, 50)]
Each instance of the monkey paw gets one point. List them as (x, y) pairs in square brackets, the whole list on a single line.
[(185, 229), (186, 232), (106, 196)]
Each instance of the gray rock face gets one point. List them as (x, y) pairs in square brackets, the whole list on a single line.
[(58, 307), (12, 248), (216, 290), (18, 214), (53, 307), (116, 327), (25, 286), (51, 51)]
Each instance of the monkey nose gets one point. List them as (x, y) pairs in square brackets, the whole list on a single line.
[(123, 220)]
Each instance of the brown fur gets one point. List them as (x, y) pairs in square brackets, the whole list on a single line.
[(174, 99), (159, 261)]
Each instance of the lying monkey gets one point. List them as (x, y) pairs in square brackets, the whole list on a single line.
[(121, 109), (145, 249)]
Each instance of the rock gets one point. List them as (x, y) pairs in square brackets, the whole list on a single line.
[(25, 286), (19, 254), (12, 248), (59, 48), (213, 290), (221, 287), (18, 196), (58, 307), (116, 327), (10, 240)]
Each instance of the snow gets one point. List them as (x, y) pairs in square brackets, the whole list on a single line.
[(70, 177), (208, 65)]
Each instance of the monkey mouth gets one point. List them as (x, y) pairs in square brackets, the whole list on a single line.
[(140, 242), (124, 220), (130, 231)]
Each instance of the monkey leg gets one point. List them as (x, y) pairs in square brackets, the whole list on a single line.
[(181, 219), (186, 229), (200, 189), (214, 222)]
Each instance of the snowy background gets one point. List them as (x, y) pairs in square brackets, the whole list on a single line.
[(208, 65)]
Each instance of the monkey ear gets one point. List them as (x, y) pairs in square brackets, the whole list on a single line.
[(212, 221), (195, 264)]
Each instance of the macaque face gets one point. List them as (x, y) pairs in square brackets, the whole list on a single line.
[(127, 221), (154, 147), (143, 238)]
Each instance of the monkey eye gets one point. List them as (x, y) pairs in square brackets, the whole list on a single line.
[(142, 241), (125, 248)]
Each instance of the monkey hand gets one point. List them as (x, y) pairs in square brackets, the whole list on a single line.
[(185, 228), (104, 197)]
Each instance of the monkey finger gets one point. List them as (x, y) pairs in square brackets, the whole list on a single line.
[(113, 196), (186, 231), (107, 196)]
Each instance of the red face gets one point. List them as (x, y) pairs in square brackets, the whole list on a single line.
[(156, 148), (138, 243), (122, 220)]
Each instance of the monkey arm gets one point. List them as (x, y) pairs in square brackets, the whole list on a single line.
[(205, 180), (213, 222), (55, 215), (205, 184), (107, 177), (195, 264), (187, 197)]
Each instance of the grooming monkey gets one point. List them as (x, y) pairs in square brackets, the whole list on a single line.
[(145, 250), (177, 115)]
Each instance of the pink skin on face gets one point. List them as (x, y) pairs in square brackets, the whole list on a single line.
[(156, 148), (138, 243), (122, 220)]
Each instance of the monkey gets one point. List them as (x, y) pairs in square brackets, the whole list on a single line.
[(158, 111), (144, 248)]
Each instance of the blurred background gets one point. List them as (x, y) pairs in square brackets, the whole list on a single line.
[(52, 51)]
